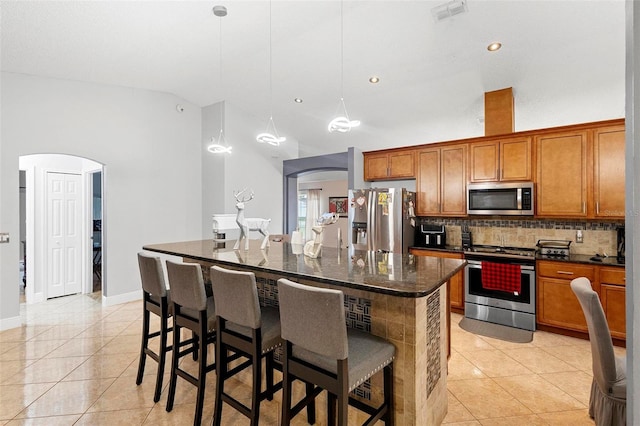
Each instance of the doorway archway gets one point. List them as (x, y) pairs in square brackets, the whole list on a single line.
[(38, 169)]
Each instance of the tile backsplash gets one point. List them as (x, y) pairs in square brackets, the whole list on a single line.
[(598, 236)]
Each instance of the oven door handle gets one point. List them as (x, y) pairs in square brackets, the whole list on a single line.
[(474, 264)]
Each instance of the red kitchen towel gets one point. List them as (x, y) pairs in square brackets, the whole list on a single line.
[(500, 276)]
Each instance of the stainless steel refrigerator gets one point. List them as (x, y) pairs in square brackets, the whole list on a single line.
[(381, 219)]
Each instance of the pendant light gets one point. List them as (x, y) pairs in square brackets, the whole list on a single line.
[(220, 146), (270, 135), (342, 123)]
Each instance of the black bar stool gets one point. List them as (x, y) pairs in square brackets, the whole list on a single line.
[(155, 299), (320, 350), (248, 330), (192, 309)]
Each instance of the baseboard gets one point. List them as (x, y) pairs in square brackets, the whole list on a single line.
[(7, 323), (121, 298)]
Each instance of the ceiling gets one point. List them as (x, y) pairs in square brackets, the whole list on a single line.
[(433, 74)]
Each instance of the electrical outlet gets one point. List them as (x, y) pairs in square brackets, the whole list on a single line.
[(579, 236), (4, 237)]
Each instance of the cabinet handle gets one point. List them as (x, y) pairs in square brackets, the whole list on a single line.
[(564, 272), (584, 207), (597, 207)]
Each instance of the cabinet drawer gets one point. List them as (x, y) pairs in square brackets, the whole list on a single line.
[(565, 270), (612, 275)]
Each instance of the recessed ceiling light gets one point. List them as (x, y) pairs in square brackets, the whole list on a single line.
[(374, 80), (298, 100), (494, 46)]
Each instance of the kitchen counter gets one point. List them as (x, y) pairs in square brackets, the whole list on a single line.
[(401, 298), (386, 273), (573, 258)]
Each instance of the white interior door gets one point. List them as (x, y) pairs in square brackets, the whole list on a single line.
[(64, 218)]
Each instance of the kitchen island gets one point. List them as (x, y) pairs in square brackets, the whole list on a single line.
[(401, 298)]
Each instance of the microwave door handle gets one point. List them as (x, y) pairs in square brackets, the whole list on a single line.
[(519, 198)]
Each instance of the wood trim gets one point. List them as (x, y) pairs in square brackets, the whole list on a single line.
[(535, 132)]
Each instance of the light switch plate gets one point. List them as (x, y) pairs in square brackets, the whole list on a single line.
[(4, 237)]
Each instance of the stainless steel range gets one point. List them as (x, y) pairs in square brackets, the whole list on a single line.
[(513, 306)]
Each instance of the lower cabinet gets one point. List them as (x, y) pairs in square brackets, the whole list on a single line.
[(612, 296), (456, 283), (557, 305)]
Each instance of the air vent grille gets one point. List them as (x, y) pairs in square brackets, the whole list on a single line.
[(449, 9)]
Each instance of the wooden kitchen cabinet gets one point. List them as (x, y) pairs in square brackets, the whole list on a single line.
[(612, 297), (557, 305), (501, 160), (456, 283), (562, 180), (608, 171), (441, 181), (394, 164)]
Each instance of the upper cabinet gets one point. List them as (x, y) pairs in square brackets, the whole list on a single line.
[(608, 172), (441, 181), (580, 174), (561, 189), (392, 164), (501, 160)]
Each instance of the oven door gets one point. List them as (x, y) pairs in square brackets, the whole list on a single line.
[(525, 301)]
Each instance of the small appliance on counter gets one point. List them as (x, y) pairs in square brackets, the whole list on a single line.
[(620, 245), (433, 236), (553, 249), (467, 241)]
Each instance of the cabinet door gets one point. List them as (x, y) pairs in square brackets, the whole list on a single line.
[(376, 166), (428, 182), (613, 304), (515, 159), (608, 172), (453, 192), (562, 174), (558, 306), (484, 157), (402, 165)]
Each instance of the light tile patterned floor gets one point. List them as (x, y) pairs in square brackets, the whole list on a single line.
[(74, 362)]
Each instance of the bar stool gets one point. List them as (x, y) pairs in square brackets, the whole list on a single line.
[(192, 309), (248, 330), (320, 350), (155, 299)]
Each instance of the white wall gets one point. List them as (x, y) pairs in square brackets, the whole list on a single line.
[(255, 166), (213, 170), (152, 175)]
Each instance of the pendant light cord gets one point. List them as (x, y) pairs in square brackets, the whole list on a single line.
[(341, 50), (270, 69), (220, 73)]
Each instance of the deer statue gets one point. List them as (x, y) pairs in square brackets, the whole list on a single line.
[(249, 224)]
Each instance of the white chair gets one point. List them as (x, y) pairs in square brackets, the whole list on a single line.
[(608, 400)]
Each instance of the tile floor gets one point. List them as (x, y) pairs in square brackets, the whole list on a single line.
[(75, 363)]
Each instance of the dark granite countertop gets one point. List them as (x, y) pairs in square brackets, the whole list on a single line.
[(387, 273), (584, 258)]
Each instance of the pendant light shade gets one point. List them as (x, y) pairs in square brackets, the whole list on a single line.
[(220, 146), (342, 123), (270, 135)]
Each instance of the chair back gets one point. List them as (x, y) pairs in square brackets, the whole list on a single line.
[(152, 275), (236, 296), (187, 285), (603, 357), (313, 318)]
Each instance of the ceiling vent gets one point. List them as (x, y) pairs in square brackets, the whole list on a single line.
[(449, 9)]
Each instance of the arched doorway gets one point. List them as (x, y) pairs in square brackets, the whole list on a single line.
[(59, 215)]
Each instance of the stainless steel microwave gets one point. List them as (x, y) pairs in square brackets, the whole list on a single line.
[(509, 199)]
